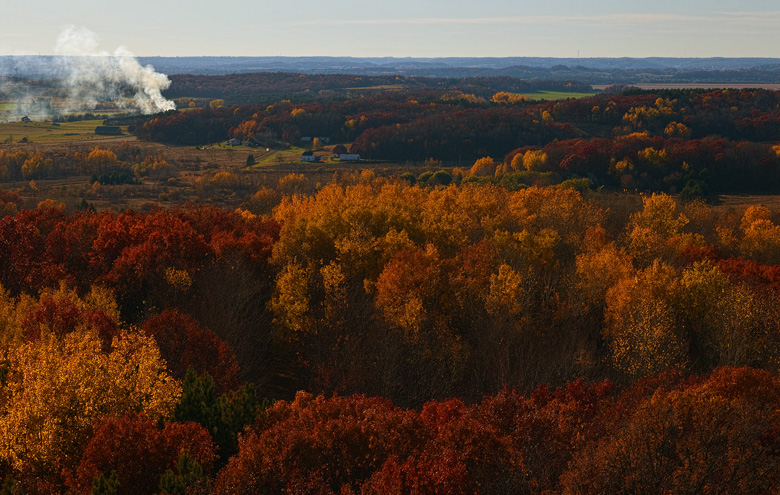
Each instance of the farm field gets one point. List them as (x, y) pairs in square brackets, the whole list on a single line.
[(653, 86), (48, 132), (556, 95)]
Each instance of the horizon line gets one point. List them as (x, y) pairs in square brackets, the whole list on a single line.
[(413, 57)]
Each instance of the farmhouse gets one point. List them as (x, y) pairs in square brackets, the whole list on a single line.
[(108, 130), (349, 157), (308, 156)]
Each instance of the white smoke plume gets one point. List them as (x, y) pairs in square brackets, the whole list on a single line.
[(93, 76)]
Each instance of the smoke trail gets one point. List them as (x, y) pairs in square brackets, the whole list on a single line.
[(91, 76)]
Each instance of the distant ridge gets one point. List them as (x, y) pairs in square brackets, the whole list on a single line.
[(394, 64), (586, 70), (422, 66)]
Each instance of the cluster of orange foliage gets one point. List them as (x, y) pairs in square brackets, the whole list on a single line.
[(469, 289)]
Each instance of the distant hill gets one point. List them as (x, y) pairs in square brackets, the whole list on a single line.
[(603, 71), (586, 70)]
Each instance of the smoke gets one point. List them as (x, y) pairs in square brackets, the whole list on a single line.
[(91, 76)]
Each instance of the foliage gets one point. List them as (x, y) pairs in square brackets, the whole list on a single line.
[(184, 345), (58, 389), (715, 435), (224, 416), (189, 476), (140, 453), (103, 485)]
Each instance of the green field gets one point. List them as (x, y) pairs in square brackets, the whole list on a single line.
[(555, 95), (38, 132), (289, 155)]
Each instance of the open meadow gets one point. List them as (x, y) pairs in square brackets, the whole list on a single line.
[(53, 132), (556, 95)]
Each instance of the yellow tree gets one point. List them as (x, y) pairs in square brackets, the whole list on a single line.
[(651, 229), (600, 266), (58, 389), (290, 304), (506, 290), (37, 166), (761, 240), (484, 167), (101, 160), (640, 325), (509, 98), (535, 160)]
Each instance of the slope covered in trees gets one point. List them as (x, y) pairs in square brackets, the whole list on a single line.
[(708, 142)]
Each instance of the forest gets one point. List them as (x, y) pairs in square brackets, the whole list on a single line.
[(538, 340), (580, 315)]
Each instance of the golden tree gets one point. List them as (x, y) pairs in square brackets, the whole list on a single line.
[(485, 166), (100, 160), (641, 329), (59, 388)]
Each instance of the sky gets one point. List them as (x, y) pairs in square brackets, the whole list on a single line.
[(403, 28)]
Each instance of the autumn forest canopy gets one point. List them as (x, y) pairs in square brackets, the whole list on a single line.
[(708, 142), (511, 296)]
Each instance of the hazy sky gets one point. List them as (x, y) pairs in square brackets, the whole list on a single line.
[(401, 28)]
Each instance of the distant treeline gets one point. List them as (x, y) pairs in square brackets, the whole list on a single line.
[(242, 88)]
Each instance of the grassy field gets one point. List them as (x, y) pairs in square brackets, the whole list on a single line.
[(289, 155), (652, 86), (46, 132), (555, 95)]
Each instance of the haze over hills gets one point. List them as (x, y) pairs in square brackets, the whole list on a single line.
[(586, 70), (394, 64)]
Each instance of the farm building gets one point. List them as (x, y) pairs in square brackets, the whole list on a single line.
[(349, 157), (339, 150), (108, 130), (308, 156)]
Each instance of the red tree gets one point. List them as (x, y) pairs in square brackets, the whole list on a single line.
[(184, 344), (140, 453)]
